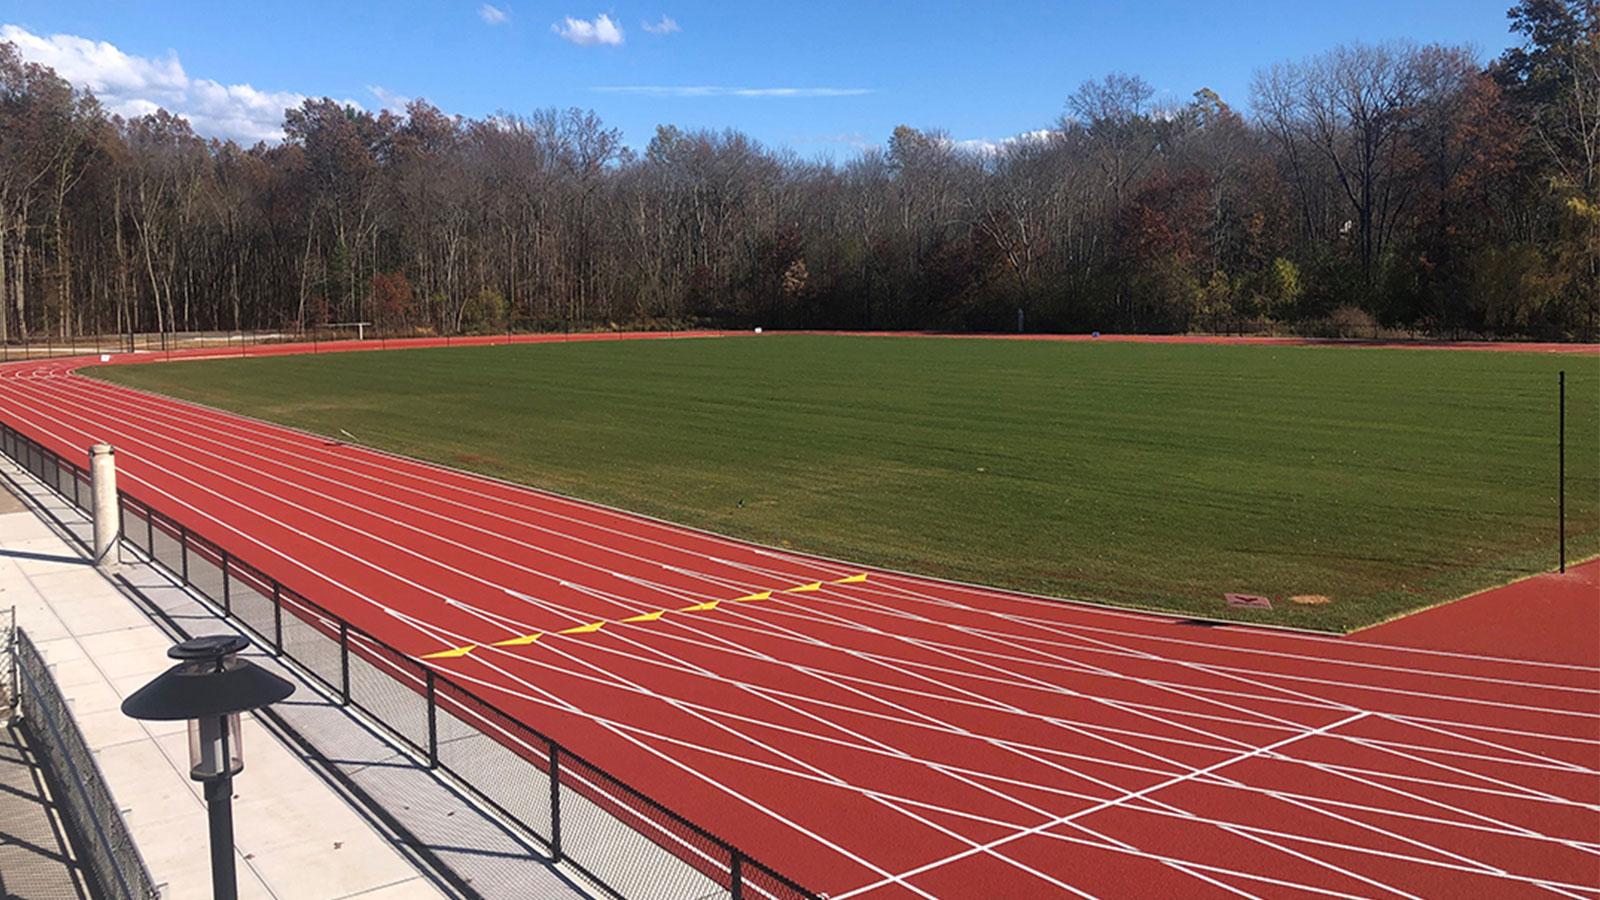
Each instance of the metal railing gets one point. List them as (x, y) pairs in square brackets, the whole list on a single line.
[(90, 815), (624, 841)]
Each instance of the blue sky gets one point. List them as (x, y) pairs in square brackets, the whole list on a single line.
[(856, 69)]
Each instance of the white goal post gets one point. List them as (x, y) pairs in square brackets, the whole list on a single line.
[(360, 327)]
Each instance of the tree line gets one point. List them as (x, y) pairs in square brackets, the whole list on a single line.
[(1399, 185)]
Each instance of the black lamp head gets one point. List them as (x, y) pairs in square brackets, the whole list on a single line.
[(209, 646), (211, 680)]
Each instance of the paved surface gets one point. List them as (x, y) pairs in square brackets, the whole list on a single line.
[(324, 809), (35, 859), (296, 837), (1552, 618)]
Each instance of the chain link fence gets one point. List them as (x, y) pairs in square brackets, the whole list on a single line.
[(625, 842)]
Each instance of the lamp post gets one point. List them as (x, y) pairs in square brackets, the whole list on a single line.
[(210, 686)]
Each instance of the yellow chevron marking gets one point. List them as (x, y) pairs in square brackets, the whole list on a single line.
[(452, 653), (592, 627)]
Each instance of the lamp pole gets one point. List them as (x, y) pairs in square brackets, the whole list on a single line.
[(219, 814), (210, 686), (218, 790)]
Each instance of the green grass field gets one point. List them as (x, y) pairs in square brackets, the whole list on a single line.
[(1148, 475)]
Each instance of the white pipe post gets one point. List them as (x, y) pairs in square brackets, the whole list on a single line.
[(107, 515)]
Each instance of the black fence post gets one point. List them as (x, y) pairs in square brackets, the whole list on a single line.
[(1561, 466), (277, 617), (736, 877), (555, 802), (183, 551), (150, 532), (433, 718), (344, 663), (227, 594)]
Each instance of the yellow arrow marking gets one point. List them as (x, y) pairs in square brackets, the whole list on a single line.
[(520, 641), (452, 653), (592, 627)]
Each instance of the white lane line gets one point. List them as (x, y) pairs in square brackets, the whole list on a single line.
[(1105, 804)]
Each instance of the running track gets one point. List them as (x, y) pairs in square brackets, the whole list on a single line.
[(900, 736)]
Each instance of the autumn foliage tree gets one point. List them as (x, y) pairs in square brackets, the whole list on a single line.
[(394, 301), (1400, 185)]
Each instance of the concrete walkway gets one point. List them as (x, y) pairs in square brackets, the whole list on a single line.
[(302, 828), (295, 837), (36, 859)]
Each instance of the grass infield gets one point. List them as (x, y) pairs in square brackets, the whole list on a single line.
[(1146, 475)]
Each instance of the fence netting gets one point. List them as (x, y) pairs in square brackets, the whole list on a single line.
[(390, 688), (626, 842), (205, 570), (166, 544), (504, 763), (252, 602), (311, 639), (100, 837)]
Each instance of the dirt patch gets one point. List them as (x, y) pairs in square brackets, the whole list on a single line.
[(1311, 599)]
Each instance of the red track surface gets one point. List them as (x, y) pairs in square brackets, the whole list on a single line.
[(902, 736)]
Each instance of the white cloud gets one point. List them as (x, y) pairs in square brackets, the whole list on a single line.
[(585, 33), (389, 99), (986, 147), (97, 65), (708, 90), (132, 86), (493, 15), (666, 26)]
